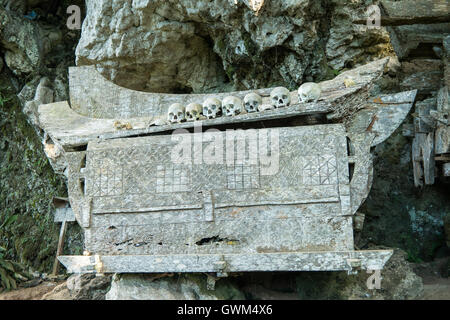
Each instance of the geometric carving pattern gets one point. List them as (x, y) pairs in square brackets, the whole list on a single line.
[(139, 177), (172, 178), (242, 177), (106, 180), (319, 170)]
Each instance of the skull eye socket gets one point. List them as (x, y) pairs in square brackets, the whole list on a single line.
[(284, 96), (275, 98), (194, 112), (247, 104), (180, 114), (213, 107)]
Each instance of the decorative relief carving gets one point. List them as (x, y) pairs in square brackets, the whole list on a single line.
[(319, 170), (172, 178), (243, 177)]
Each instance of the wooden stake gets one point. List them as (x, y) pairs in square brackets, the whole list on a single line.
[(62, 234)]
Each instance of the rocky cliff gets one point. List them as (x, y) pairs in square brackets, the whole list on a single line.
[(191, 46), (205, 46)]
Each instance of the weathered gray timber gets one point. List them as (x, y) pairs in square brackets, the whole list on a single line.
[(431, 137), (63, 214), (415, 11), (446, 59), (382, 115), (412, 22), (431, 142), (69, 129), (283, 261), (423, 158), (93, 96), (431, 132), (150, 204), (442, 133), (63, 211), (274, 199)]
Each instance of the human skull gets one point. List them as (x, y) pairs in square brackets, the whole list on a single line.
[(281, 97), (308, 92), (252, 101), (212, 108), (193, 111), (264, 107), (176, 113), (232, 106)]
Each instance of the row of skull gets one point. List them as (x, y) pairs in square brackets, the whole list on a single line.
[(231, 106)]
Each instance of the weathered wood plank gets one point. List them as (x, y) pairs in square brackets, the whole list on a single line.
[(425, 82), (382, 115), (423, 158), (423, 122), (446, 59), (406, 38), (442, 117), (417, 11), (291, 261), (408, 12), (93, 96), (59, 251), (70, 129), (442, 140)]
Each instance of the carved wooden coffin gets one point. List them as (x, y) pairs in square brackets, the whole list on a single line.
[(280, 198), (141, 202)]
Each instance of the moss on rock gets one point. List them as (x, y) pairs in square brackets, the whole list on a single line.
[(27, 186)]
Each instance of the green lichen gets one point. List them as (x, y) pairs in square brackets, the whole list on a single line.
[(27, 187)]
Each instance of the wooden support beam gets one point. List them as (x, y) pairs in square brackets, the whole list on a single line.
[(410, 12), (423, 158), (59, 251), (417, 9)]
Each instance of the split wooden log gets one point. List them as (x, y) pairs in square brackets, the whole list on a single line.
[(63, 214), (412, 22), (415, 12), (423, 159)]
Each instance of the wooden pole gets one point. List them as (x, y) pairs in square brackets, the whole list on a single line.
[(62, 234)]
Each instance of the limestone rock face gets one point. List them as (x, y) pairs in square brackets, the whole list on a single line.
[(183, 287), (399, 282), (23, 6), (202, 46), (348, 43), (80, 287), (60, 292), (23, 51), (88, 286), (25, 42)]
